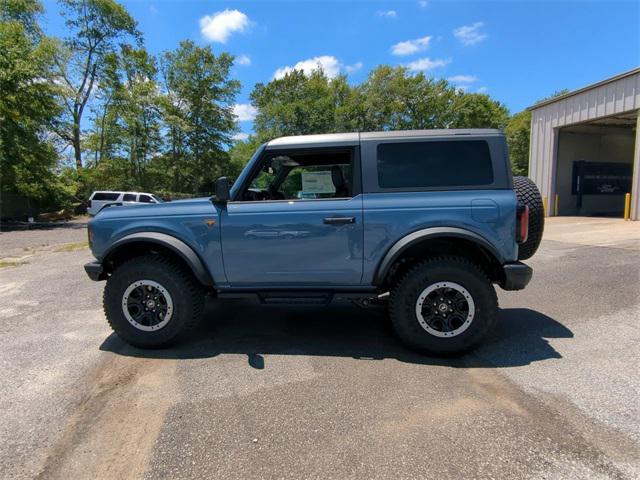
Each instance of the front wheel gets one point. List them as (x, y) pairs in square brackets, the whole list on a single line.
[(151, 300), (444, 306)]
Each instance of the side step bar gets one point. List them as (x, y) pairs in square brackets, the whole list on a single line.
[(297, 297)]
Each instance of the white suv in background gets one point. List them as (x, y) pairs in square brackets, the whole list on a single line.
[(98, 200)]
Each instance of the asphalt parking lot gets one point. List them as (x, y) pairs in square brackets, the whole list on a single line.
[(281, 392)]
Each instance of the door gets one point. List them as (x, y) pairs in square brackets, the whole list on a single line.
[(298, 222)]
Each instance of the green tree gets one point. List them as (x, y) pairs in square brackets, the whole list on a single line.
[(518, 132), (298, 104), (239, 154), (477, 110), (391, 98), (102, 140), (95, 27), (128, 125), (197, 110), (28, 105)]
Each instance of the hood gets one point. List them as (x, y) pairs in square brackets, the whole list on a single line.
[(191, 206)]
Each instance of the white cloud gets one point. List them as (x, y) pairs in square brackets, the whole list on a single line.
[(426, 64), (244, 111), (241, 136), (470, 34), (353, 68), (153, 9), (328, 63), (387, 13), (243, 60), (462, 79), (482, 90), (423, 3), (220, 25), (411, 46)]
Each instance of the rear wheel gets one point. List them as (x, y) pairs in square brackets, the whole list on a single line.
[(444, 306), (152, 300)]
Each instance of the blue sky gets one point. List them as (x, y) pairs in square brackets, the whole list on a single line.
[(516, 51)]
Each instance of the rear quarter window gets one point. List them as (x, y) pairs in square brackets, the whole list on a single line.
[(105, 196), (434, 164)]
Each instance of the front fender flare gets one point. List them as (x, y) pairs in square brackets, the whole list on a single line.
[(174, 244), (428, 233)]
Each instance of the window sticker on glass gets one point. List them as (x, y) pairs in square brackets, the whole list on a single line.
[(317, 182)]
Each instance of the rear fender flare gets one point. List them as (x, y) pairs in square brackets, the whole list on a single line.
[(419, 236), (177, 246)]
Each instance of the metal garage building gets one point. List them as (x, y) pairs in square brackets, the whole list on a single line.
[(585, 148)]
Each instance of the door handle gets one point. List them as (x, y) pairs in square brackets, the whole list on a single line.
[(339, 220)]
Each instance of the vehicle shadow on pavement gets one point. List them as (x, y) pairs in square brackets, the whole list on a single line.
[(343, 330)]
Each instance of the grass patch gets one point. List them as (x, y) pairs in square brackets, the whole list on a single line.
[(11, 263), (71, 247)]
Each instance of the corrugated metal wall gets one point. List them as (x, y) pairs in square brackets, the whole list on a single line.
[(618, 95)]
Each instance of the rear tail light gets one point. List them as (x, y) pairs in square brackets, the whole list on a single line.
[(522, 224)]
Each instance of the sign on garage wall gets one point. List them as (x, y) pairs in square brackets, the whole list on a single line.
[(601, 178)]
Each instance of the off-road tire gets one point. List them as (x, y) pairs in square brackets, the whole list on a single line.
[(404, 297), (528, 194), (187, 296)]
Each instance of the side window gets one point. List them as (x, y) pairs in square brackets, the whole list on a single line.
[(434, 164), (105, 196), (145, 199), (129, 197), (303, 175)]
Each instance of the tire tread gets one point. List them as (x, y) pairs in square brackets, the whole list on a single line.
[(402, 327), (194, 292)]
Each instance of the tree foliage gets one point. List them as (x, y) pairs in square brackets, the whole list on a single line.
[(95, 27), (165, 123), (518, 132), (198, 112), (389, 99), (28, 105)]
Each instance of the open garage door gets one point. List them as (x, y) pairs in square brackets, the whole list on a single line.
[(595, 166)]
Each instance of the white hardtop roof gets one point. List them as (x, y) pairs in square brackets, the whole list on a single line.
[(355, 137)]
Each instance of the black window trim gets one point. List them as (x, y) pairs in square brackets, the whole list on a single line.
[(356, 187), (501, 177), (115, 195)]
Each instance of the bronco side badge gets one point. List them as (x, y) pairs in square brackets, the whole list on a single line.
[(210, 222)]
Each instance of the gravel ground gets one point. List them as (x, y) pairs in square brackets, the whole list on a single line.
[(264, 392), (18, 241)]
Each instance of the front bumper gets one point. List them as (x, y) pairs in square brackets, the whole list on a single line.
[(95, 271), (516, 276)]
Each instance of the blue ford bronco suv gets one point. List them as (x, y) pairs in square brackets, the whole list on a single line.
[(426, 221)]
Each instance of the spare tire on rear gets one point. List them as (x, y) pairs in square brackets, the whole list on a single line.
[(529, 195)]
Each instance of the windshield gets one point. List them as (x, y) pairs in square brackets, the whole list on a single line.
[(247, 170), (157, 199)]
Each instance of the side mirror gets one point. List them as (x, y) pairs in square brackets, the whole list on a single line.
[(222, 190)]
